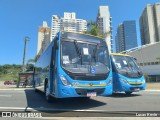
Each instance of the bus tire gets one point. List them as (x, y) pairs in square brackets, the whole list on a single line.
[(128, 93), (35, 90), (47, 96)]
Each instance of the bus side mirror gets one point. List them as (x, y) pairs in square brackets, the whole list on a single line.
[(135, 59)]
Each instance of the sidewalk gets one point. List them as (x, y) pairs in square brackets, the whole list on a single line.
[(10, 87), (152, 86), (14, 88), (149, 86)]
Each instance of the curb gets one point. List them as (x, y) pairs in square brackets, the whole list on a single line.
[(152, 90), (17, 89)]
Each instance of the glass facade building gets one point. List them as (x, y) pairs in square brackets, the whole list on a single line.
[(126, 37)]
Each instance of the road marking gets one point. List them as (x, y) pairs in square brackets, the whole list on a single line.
[(54, 109), (46, 109), (154, 93), (17, 89), (5, 95), (9, 91), (12, 108), (151, 91)]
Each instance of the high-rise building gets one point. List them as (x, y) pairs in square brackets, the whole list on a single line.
[(119, 39), (104, 25), (68, 23), (44, 34), (56, 21), (126, 37), (150, 24)]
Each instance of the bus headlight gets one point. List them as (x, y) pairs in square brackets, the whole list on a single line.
[(110, 81), (143, 81), (64, 80), (123, 80)]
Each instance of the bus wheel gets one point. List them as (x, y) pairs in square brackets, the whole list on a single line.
[(128, 93), (35, 90), (48, 97)]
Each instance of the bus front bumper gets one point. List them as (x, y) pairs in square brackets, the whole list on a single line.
[(133, 88), (70, 91)]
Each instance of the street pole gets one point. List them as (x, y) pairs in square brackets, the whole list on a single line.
[(24, 54)]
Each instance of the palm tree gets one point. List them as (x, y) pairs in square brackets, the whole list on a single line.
[(94, 29), (31, 62)]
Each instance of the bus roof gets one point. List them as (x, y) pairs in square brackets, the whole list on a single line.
[(119, 54), (82, 37), (81, 34)]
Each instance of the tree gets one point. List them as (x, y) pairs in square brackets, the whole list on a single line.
[(93, 29), (30, 64), (36, 57), (91, 23), (30, 67), (31, 61), (1, 69), (6, 66), (4, 71)]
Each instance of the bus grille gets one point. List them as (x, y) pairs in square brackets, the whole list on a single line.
[(88, 77), (85, 91), (133, 88), (91, 78), (134, 83)]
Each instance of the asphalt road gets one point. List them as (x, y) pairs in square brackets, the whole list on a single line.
[(117, 104)]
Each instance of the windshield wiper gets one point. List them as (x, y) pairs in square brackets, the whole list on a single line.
[(78, 51)]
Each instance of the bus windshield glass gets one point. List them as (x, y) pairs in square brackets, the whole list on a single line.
[(80, 57), (126, 65)]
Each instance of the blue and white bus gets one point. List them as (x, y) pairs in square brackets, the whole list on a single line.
[(127, 75), (74, 65)]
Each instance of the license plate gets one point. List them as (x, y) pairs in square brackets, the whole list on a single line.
[(136, 89), (91, 94)]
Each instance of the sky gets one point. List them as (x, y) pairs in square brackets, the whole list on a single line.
[(20, 18)]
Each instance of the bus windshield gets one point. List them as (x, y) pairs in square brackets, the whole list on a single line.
[(126, 65), (80, 57)]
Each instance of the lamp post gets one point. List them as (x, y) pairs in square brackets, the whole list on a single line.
[(24, 54)]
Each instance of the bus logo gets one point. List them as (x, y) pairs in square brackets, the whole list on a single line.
[(91, 84), (93, 70)]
